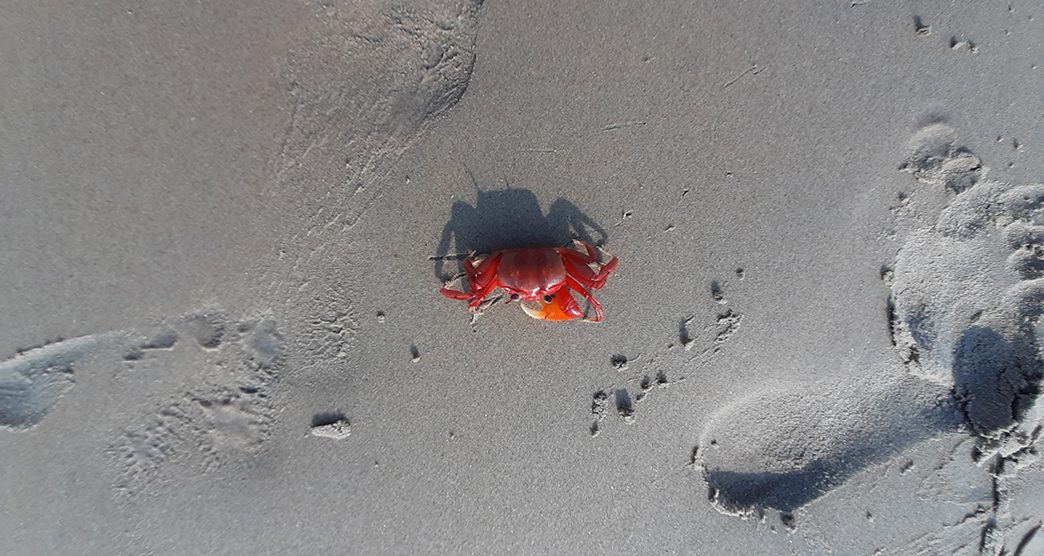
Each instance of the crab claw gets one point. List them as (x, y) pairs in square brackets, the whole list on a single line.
[(454, 289), (562, 307)]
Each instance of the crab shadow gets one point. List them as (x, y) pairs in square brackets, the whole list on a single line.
[(509, 218)]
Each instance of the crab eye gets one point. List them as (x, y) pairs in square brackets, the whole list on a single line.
[(515, 296), (548, 298)]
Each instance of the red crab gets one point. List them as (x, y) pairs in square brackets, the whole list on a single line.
[(542, 277)]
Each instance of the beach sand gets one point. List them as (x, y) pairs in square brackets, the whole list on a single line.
[(225, 228)]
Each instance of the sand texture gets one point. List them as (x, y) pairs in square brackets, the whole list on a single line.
[(225, 227)]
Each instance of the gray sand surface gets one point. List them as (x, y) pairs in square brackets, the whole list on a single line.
[(225, 225)]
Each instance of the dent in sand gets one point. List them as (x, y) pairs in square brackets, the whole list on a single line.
[(965, 315)]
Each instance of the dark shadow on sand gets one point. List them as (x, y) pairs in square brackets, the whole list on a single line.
[(996, 379), (508, 218)]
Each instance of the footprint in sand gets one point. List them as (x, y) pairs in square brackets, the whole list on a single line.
[(33, 381), (965, 314), (968, 293), (783, 449), (204, 381), (223, 407), (219, 408), (224, 410)]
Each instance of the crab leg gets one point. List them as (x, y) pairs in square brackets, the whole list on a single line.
[(593, 258), (474, 297), (567, 305), (479, 280), (454, 294), (590, 250), (572, 284), (578, 266), (607, 268), (480, 295), (485, 279), (562, 307), (488, 263)]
